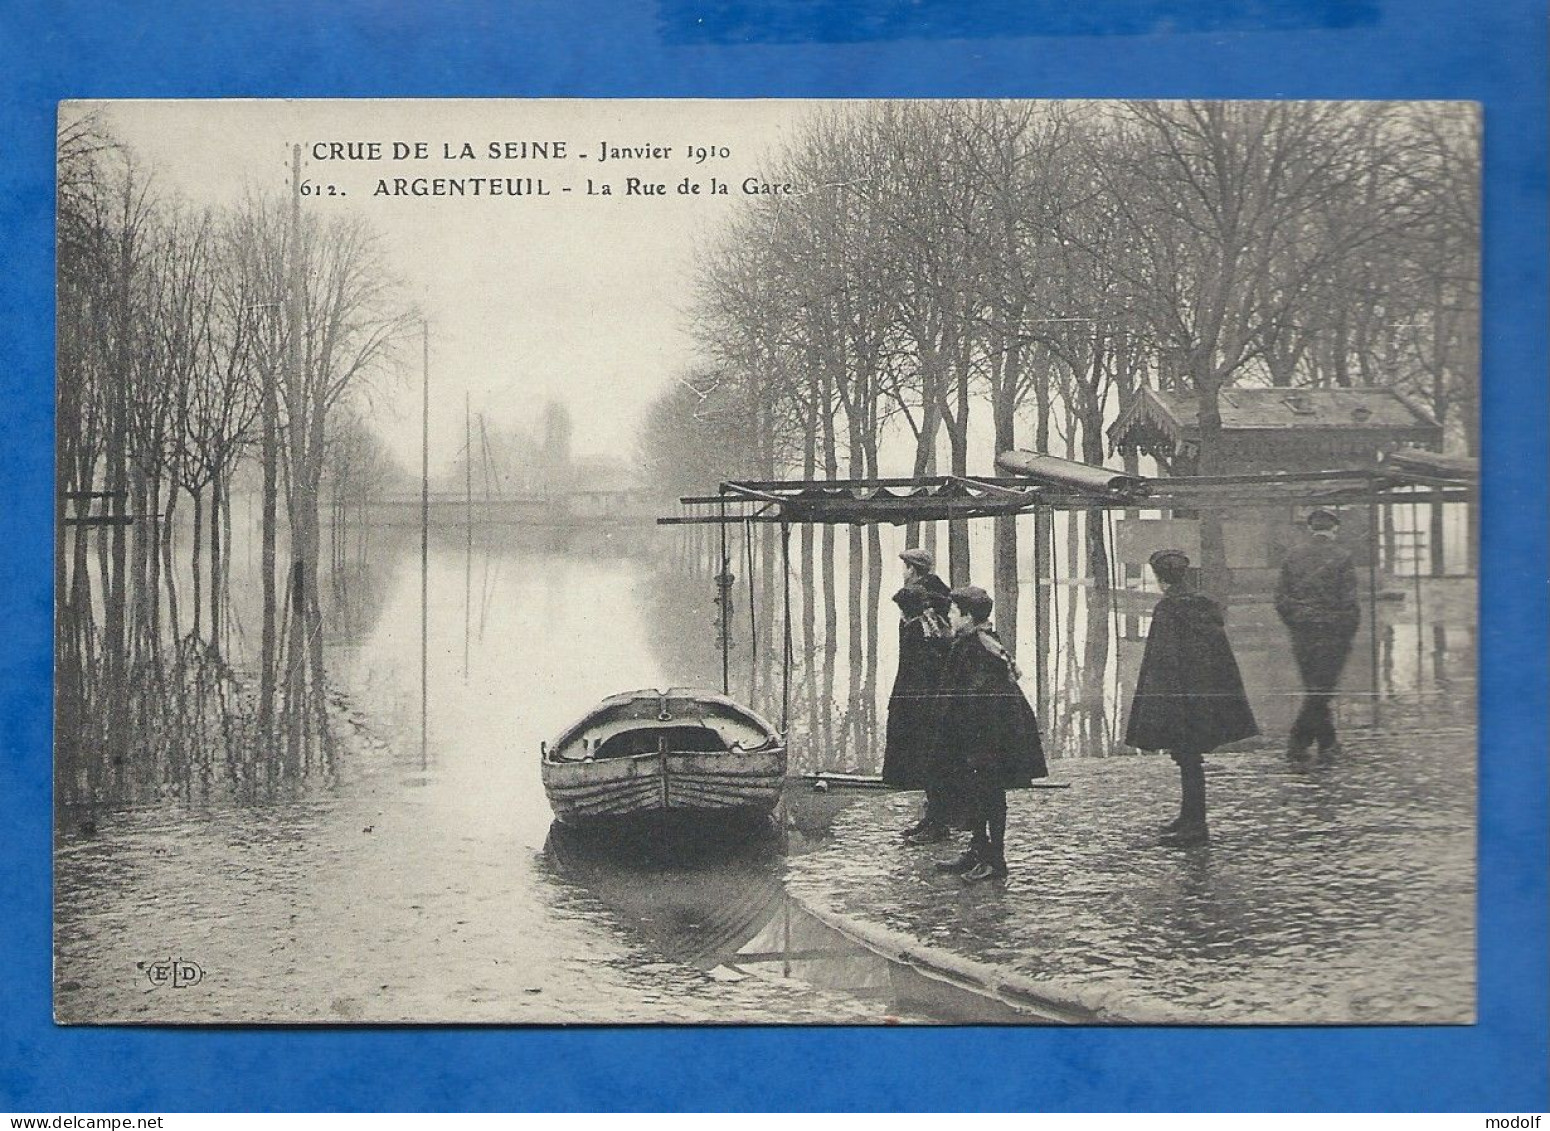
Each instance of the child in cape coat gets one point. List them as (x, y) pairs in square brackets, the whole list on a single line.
[(987, 725), (1189, 694)]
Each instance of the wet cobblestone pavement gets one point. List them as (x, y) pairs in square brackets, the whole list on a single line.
[(1344, 895)]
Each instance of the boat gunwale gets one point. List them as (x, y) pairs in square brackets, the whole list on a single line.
[(774, 739)]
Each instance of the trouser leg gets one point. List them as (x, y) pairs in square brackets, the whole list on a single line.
[(1306, 725), (1194, 775), (1191, 828), (995, 824), (1328, 652), (979, 805)]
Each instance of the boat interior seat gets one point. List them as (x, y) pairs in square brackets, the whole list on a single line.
[(679, 739)]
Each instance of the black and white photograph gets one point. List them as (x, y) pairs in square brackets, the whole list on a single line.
[(748, 562)]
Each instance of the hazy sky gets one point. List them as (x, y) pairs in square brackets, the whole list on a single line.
[(573, 297)]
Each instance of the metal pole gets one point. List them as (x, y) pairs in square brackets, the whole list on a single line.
[(1415, 573), (785, 673), (1039, 640), (1115, 623), (425, 538), (753, 620), (724, 591)]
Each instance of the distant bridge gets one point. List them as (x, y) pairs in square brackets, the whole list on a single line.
[(569, 508)]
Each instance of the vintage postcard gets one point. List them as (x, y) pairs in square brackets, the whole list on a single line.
[(766, 562)]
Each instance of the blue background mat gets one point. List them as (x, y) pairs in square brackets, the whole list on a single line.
[(1493, 53)]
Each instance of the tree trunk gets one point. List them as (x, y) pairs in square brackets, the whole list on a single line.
[(959, 566), (928, 538), (269, 455), (142, 532), (1436, 544), (1006, 592), (116, 436), (1099, 605), (772, 657), (1213, 545), (196, 552), (216, 513), (153, 529), (1043, 531), (854, 576), (830, 605), (809, 649), (226, 551), (168, 570), (874, 594), (925, 443)]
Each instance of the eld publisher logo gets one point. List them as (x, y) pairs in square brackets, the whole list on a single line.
[(179, 973)]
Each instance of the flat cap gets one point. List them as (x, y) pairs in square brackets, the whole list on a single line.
[(919, 558), (1321, 519), (1178, 559), (974, 601)]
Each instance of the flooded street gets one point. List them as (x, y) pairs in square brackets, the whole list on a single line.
[(392, 883), (1343, 896), (373, 878)]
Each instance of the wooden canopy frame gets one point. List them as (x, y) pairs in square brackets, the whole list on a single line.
[(1041, 482)]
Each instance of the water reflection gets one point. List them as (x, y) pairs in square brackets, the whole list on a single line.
[(711, 895), (698, 891)]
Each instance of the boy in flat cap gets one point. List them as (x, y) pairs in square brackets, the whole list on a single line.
[(985, 721), (918, 567), (1189, 694), (1316, 600)]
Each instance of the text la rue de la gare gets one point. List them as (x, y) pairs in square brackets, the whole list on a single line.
[(372, 151)]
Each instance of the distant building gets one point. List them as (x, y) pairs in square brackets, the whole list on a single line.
[(1265, 431), (556, 470), (1276, 429)]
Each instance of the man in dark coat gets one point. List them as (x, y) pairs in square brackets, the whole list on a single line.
[(985, 720), (923, 640), (1316, 600), (1189, 694)]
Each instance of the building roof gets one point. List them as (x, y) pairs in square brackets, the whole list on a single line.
[(1155, 418)]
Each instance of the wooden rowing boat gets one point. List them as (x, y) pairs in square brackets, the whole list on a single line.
[(668, 751)]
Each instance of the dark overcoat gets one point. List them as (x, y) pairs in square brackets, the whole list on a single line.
[(1317, 589), (1189, 695), (984, 721), (911, 715)]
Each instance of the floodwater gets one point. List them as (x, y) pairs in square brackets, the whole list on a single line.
[(385, 873), (384, 878)]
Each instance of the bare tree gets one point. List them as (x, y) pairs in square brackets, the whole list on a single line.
[(1218, 195)]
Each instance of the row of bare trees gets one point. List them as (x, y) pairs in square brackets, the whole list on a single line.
[(199, 347), (1040, 261)]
